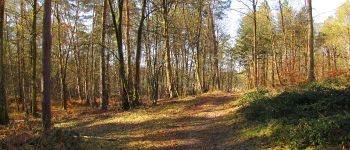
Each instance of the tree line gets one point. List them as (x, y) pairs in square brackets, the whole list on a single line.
[(97, 50)]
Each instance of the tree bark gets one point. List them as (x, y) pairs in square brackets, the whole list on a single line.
[(128, 47), (138, 55), (118, 33), (4, 118), (34, 106), (170, 87), (255, 57), (215, 49), (46, 59), (311, 75), (103, 90)]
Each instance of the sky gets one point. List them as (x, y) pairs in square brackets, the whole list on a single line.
[(322, 9)]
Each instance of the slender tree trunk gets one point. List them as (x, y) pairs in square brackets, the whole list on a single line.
[(63, 58), (255, 57), (20, 61), (34, 106), (311, 75), (103, 90), (4, 118), (128, 48), (138, 55), (91, 89), (46, 59), (119, 32), (170, 87), (215, 49), (77, 54)]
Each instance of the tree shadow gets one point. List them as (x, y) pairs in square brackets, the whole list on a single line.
[(182, 130)]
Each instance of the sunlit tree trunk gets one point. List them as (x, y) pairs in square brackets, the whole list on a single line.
[(165, 14), (311, 75), (215, 49), (255, 53), (103, 77), (91, 88), (129, 53)]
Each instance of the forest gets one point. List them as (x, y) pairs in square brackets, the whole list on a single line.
[(168, 74)]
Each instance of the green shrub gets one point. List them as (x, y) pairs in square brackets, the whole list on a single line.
[(259, 94), (315, 114)]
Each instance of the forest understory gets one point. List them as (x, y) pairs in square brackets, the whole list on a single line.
[(314, 116)]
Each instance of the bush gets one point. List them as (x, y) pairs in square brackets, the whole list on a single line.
[(259, 94), (315, 114)]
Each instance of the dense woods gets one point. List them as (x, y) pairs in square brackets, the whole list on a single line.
[(132, 53)]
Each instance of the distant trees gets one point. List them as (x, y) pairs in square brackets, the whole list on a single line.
[(282, 50)]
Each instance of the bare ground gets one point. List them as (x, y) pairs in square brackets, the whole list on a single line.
[(207, 121)]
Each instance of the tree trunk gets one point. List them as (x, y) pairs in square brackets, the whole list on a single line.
[(118, 33), (197, 56), (63, 59), (255, 59), (91, 89), (77, 54), (4, 118), (128, 48), (138, 55), (215, 49), (165, 14), (103, 90), (46, 60), (34, 106), (311, 75), (20, 61)]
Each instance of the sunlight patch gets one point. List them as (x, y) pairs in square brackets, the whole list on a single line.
[(161, 144)]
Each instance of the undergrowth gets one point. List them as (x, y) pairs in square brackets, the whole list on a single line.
[(311, 115)]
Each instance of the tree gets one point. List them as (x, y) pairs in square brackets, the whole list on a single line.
[(255, 59), (138, 55), (216, 77), (118, 32), (46, 59), (4, 118), (104, 92), (169, 77), (129, 53), (34, 62), (311, 76)]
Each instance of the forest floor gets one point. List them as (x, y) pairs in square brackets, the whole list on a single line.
[(207, 121), (314, 116)]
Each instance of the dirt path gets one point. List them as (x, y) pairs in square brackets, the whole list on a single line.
[(202, 122)]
